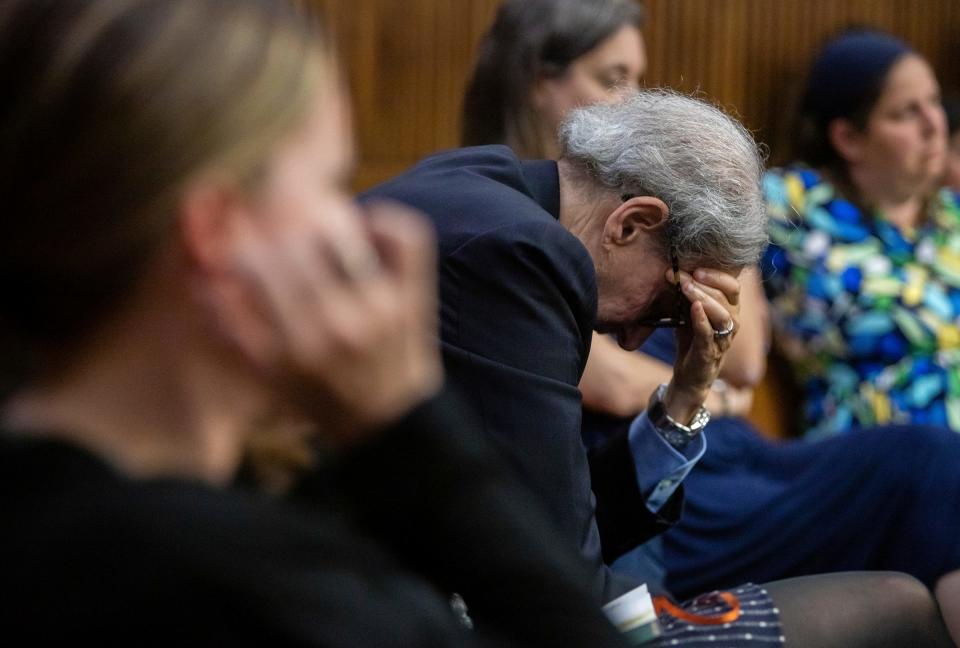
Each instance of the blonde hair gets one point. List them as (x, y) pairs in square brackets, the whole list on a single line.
[(113, 106)]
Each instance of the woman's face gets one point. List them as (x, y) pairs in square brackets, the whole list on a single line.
[(293, 238), (616, 63), (903, 146), (306, 192)]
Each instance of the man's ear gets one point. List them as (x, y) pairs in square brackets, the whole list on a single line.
[(644, 215), (209, 222), (845, 139)]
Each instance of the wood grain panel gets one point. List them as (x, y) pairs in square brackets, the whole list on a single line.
[(408, 60), (407, 63)]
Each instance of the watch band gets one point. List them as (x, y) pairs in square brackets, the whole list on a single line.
[(676, 434)]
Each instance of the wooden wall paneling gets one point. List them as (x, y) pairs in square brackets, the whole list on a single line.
[(408, 59), (449, 85), (407, 62), (353, 26)]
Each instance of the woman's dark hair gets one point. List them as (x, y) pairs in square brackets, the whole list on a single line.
[(951, 106), (112, 107), (531, 39), (845, 82)]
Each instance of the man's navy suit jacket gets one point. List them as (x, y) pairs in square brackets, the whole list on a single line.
[(518, 298)]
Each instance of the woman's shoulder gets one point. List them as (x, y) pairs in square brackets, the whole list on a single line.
[(807, 210), (792, 192)]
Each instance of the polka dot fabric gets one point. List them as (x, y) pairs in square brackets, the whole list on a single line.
[(758, 623)]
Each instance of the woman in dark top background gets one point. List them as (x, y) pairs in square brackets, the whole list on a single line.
[(181, 264)]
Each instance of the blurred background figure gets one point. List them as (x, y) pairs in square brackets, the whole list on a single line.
[(861, 291), (865, 300), (542, 58)]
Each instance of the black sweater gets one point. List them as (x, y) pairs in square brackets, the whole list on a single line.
[(364, 556)]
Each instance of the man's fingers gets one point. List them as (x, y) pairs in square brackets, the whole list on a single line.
[(725, 282), (720, 315), (703, 330)]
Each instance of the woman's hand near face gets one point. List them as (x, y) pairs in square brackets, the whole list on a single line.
[(726, 400), (345, 326), (714, 298)]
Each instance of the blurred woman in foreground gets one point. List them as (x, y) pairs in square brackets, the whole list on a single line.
[(181, 264)]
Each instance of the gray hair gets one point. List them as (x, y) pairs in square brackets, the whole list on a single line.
[(702, 163)]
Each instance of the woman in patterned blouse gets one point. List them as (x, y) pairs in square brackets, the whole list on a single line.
[(864, 270), (863, 273)]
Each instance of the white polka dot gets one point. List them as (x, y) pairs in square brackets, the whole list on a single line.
[(748, 636), (674, 642), (783, 639), (712, 638), (726, 625), (776, 610), (763, 624)]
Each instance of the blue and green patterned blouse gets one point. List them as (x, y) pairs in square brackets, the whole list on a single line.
[(874, 309)]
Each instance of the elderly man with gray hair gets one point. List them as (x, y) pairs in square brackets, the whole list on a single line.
[(645, 221)]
